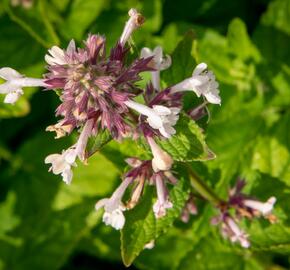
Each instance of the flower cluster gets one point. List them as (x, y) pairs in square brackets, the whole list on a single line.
[(243, 207), (98, 91)]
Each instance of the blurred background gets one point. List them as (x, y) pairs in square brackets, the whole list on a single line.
[(45, 224)]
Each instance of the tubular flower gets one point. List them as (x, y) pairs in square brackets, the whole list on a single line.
[(162, 203), (63, 163), (140, 174), (135, 21), (244, 207), (161, 161), (202, 82), (190, 208), (263, 208), (14, 84), (158, 63), (144, 170), (159, 117), (232, 231), (114, 207)]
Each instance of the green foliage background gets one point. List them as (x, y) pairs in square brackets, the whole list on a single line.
[(45, 224)]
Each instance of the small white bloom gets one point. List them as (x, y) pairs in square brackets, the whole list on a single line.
[(202, 82), (235, 234), (116, 218), (62, 164), (158, 62), (12, 97), (135, 21), (162, 203), (159, 117), (161, 161), (55, 56), (114, 207), (264, 208), (159, 208), (169, 117), (14, 83)]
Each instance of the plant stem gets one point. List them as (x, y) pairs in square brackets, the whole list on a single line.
[(203, 189), (48, 25), (26, 27)]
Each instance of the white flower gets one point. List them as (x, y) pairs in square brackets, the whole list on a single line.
[(13, 96), (202, 83), (135, 21), (116, 218), (169, 117), (55, 56), (159, 117), (114, 207), (158, 62), (62, 164), (83, 139), (264, 208), (14, 83), (161, 161), (232, 230), (162, 203)]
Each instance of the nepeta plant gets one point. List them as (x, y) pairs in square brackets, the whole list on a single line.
[(99, 91)]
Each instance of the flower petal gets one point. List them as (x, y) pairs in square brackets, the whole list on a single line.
[(199, 69), (9, 73)]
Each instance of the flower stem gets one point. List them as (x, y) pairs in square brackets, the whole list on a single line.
[(203, 189), (26, 27), (47, 23)]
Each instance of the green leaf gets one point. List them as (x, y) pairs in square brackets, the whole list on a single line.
[(274, 238), (59, 215), (183, 61), (273, 158), (95, 143), (272, 153), (239, 41), (189, 142), (277, 15), (89, 181), (210, 253), (9, 220), (275, 52), (117, 152), (141, 226), (14, 52), (174, 244), (81, 15)]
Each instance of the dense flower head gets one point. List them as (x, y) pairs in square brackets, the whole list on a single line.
[(94, 86)]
